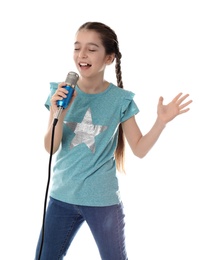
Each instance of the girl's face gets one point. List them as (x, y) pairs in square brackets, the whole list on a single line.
[(89, 53)]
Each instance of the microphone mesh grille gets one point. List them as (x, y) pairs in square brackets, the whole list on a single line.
[(72, 78)]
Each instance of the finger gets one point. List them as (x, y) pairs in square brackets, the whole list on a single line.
[(62, 92), (61, 88), (161, 99), (182, 99), (185, 104), (59, 95), (177, 97), (184, 111), (62, 84)]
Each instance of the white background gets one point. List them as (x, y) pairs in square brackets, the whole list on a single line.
[(160, 47)]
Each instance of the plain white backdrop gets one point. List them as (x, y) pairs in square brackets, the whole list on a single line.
[(159, 42)]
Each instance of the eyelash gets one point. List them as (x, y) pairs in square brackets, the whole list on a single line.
[(76, 49)]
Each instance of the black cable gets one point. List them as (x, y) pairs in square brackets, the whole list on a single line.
[(47, 187)]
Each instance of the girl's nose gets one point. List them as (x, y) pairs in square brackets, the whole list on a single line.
[(82, 54)]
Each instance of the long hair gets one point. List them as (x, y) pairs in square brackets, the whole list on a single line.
[(111, 45)]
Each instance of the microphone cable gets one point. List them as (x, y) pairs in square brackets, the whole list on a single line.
[(71, 81), (47, 187)]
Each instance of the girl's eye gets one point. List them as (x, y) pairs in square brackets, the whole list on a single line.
[(76, 49), (92, 50)]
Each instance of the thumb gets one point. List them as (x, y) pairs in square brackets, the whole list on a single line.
[(161, 99)]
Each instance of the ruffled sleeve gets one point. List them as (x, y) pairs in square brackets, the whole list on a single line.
[(53, 88), (129, 107)]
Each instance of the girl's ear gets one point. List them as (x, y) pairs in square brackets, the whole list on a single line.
[(110, 58)]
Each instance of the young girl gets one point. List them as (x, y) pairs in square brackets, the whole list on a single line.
[(89, 141)]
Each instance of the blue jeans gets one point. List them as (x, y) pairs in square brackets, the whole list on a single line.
[(64, 220)]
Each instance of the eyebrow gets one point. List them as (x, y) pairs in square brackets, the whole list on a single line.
[(89, 43)]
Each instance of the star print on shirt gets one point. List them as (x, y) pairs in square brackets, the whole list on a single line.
[(85, 131)]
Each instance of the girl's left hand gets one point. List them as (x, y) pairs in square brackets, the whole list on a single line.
[(176, 107)]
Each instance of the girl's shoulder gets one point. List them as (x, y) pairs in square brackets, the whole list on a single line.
[(124, 93)]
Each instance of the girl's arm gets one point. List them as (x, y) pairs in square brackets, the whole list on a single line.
[(57, 134), (141, 144), (59, 95)]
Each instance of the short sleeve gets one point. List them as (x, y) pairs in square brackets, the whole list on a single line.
[(53, 88), (129, 107)]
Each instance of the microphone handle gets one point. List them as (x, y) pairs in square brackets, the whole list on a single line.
[(62, 104)]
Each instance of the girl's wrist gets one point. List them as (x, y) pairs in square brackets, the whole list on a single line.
[(160, 122)]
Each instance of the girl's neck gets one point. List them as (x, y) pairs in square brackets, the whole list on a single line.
[(92, 87)]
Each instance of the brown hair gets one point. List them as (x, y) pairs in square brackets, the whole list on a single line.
[(111, 45)]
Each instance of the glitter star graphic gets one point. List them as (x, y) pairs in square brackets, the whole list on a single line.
[(85, 131)]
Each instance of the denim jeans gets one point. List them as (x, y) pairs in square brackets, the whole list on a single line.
[(64, 220)]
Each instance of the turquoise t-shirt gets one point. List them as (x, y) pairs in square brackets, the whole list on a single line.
[(84, 172)]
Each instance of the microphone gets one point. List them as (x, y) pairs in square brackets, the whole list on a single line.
[(71, 81)]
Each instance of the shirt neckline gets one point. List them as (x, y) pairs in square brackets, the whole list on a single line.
[(96, 94)]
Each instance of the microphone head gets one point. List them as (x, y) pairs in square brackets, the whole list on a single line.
[(72, 78)]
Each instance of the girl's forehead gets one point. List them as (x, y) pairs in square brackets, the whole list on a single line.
[(85, 35)]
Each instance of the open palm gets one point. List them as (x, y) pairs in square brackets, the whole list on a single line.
[(176, 107)]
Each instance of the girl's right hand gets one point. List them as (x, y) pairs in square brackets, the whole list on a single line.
[(60, 94)]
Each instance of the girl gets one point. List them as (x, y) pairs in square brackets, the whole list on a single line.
[(89, 141)]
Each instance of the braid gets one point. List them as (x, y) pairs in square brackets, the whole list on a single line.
[(118, 72), (119, 153)]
